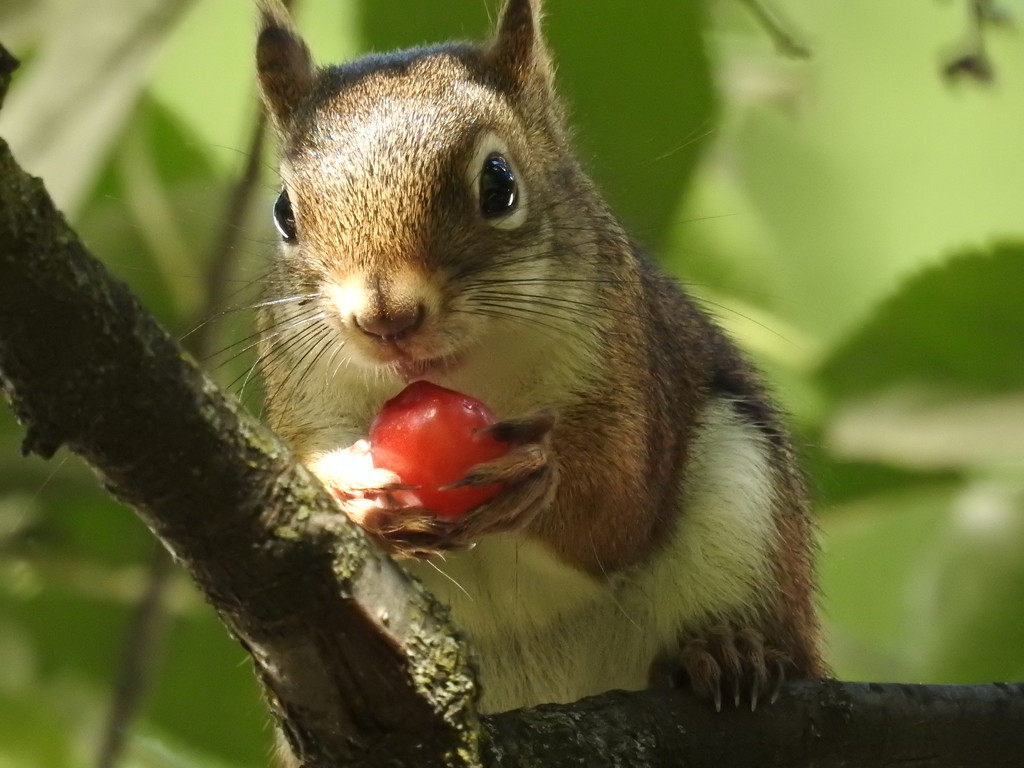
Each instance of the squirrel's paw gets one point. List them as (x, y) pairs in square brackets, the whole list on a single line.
[(736, 665), (377, 501), (528, 475), (527, 472), (374, 499)]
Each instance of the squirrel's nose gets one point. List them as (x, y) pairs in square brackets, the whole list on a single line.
[(389, 324)]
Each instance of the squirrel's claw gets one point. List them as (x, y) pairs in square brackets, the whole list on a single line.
[(702, 671), (719, 657)]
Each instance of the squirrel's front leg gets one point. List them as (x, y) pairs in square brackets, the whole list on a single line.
[(529, 476), (384, 507)]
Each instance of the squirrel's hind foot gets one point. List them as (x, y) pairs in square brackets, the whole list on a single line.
[(735, 665)]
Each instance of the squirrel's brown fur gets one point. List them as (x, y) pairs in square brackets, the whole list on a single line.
[(653, 520)]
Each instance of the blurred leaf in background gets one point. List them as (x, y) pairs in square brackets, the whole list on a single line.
[(853, 218)]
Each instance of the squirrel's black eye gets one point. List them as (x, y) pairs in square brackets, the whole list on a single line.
[(284, 219), (498, 192)]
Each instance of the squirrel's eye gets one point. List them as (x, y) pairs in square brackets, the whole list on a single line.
[(284, 218), (498, 193)]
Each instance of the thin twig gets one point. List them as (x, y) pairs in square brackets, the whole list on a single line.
[(224, 253), (144, 637), (786, 42), (7, 66), (141, 647), (973, 59)]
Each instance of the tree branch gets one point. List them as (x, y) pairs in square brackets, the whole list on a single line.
[(358, 663), (144, 635), (826, 724)]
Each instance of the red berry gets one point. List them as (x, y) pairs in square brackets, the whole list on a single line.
[(430, 436)]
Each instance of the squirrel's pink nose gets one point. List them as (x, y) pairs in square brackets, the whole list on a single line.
[(389, 324)]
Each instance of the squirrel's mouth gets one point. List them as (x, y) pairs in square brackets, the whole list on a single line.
[(407, 360), (429, 368), (425, 354)]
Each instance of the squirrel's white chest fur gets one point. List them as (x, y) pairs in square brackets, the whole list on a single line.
[(545, 632)]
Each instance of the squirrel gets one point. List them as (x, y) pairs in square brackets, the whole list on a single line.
[(653, 526)]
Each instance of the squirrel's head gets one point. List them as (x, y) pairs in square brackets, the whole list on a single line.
[(418, 191)]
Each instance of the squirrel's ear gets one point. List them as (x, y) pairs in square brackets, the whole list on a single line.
[(283, 63), (519, 51)]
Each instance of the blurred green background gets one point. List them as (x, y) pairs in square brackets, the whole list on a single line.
[(856, 219)]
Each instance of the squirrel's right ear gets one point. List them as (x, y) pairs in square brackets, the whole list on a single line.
[(519, 51), (283, 63)]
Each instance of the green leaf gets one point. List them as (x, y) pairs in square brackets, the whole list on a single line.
[(957, 326), (207, 74), (155, 213), (392, 24), (835, 481), (835, 177), (22, 22), (207, 694), (870, 548), (67, 110), (921, 428), (642, 113), (926, 585), (148, 749), (963, 601), (32, 734)]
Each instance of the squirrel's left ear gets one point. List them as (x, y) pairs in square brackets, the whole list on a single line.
[(518, 50), (283, 63)]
